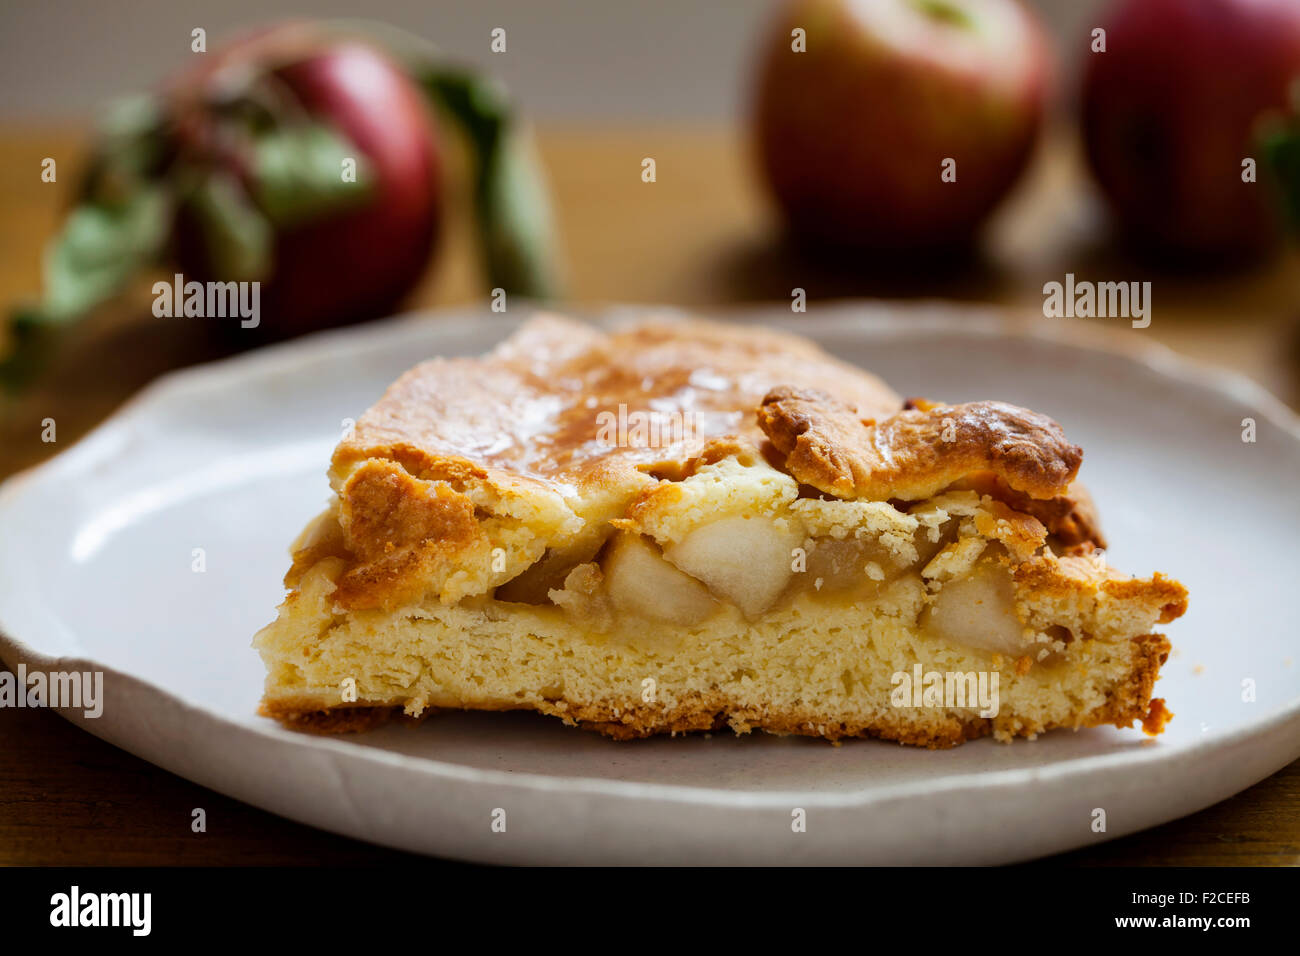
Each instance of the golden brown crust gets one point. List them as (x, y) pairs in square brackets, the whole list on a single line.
[(531, 410), (399, 530), (1077, 576), (525, 423), (336, 720), (916, 452), (1020, 534), (1070, 518), (1171, 594), (1157, 716)]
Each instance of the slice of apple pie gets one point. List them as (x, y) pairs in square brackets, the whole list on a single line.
[(688, 526)]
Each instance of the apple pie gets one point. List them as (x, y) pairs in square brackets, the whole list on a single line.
[(688, 526)]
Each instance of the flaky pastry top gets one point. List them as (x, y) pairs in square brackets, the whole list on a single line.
[(533, 409), (468, 470)]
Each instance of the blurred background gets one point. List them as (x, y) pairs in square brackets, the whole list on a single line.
[(580, 60), (773, 170), (760, 168), (602, 87)]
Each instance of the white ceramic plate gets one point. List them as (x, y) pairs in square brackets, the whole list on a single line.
[(96, 554)]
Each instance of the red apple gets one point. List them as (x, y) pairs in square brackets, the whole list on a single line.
[(853, 133), (356, 262), (302, 159), (1173, 107)]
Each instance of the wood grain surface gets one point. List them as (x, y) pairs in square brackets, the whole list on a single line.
[(701, 235)]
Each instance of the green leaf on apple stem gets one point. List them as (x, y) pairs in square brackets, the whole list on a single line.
[(1282, 153), (516, 226), (298, 173), (238, 239), (515, 221), (100, 248), (130, 151)]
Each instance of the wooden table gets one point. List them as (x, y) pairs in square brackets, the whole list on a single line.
[(701, 235)]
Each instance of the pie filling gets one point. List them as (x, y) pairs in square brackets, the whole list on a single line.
[(740, 539), (748, 565)]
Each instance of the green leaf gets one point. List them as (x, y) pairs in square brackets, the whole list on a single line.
[(512, 203), (515, 221), (299, 173), (1282, 153), (132, 149), (32, 341), (238, 239), (134, 128), (478, 104), (100, 248)]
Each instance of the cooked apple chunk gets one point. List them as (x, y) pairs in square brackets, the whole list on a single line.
[(640, 581), (978, 611), (745, 560)]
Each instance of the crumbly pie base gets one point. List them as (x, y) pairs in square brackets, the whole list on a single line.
[(797, 539)]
